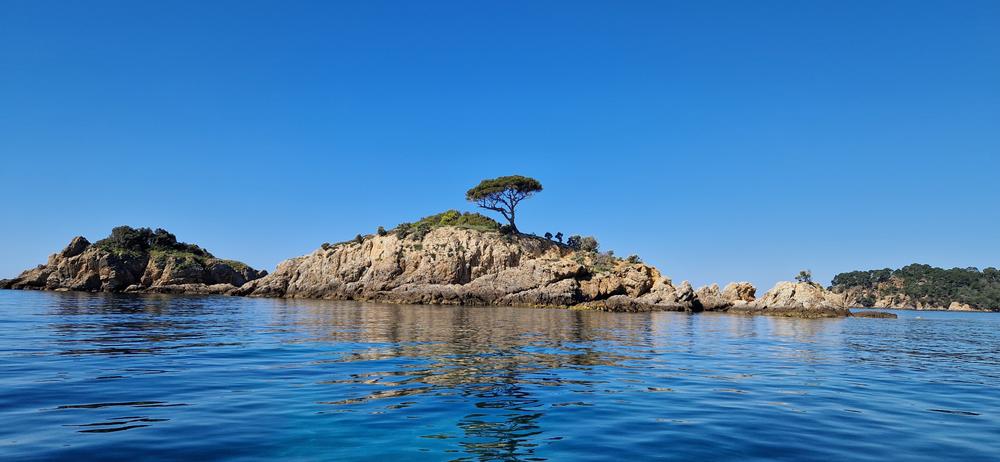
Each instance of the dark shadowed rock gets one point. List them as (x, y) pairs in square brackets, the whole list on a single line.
[(873, 314)]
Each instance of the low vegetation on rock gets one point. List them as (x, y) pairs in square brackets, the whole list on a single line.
[(126, 240), (454, 218)]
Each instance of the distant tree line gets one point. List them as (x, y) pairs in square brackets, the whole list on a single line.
[(928, 284)]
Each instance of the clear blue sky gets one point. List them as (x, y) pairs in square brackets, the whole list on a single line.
[(719, 140)]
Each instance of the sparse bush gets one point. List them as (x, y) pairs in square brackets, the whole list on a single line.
[(804, 276), (548, 236), (633, 259), (325, 246), (559, 237), (448, 218), (604, 262), (589, 244), (507, 230), (359, 239), (574, 242), (380, 231)]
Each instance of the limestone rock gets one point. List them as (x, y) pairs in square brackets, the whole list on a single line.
[(739, 292), (956, 306), (805, 295), (710, 298), (452, 265)]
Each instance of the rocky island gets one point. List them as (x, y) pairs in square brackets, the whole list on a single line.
[(450, 258), (135, 260)]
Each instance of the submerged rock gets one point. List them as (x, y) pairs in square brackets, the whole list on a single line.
[(873, 314)]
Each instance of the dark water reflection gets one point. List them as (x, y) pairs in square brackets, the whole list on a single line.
[(114, 378)]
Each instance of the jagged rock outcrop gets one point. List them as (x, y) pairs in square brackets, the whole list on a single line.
[(430, 265), (740, 292), (800, 295), (451, 265), (798, 299), (135, 260)]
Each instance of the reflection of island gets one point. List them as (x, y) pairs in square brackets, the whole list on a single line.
[(491, 382), (166, 323), (497, 360)]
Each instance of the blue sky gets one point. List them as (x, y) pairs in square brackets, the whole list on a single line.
[(719, 140)]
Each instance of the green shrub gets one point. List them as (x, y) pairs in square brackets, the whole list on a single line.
[(454, 218), (126, 240), (380, 231), (804, 276), (584, 243)]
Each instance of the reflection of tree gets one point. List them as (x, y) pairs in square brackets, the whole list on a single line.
[(495, 359)]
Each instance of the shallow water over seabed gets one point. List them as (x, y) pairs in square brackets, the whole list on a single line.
[(102, 377)]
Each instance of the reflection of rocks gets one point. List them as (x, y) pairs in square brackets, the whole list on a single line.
[(797, 312)]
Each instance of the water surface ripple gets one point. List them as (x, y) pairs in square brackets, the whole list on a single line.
[(101, 377)]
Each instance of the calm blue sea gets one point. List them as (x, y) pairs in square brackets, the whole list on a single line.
[(101, 377)]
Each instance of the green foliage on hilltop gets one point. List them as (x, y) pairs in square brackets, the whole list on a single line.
[(454, 218), (129, 241), (928, 284)]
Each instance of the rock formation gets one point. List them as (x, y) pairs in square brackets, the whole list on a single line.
[(135, 260), (419, 264), (799, 299), (452, 265)]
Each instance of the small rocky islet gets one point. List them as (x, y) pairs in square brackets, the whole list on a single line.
[(450, 259), (135, 260)]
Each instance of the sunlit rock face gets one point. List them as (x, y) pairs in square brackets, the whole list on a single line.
[(451, 265)]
